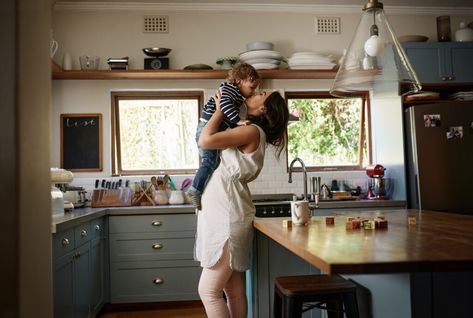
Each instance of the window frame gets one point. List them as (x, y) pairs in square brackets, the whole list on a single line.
[(365, 118), (116, 96)]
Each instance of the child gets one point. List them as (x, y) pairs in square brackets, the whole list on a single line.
[(241, 83)]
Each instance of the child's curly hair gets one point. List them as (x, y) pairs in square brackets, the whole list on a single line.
[(241, 72)]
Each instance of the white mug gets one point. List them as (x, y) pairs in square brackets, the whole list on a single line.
[(53, 46), (300, 212)]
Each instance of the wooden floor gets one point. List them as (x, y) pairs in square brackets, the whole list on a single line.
[(191, 309)]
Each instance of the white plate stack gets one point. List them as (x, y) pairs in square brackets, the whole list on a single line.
[(261, 56), (310, 60)]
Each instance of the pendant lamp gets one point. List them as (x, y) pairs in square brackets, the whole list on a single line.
[(374, 61)]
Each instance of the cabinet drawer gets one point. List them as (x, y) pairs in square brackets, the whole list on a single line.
[(149, 246), (152, 223), (154, 281), (63, 243), (82, 234), (97, 228)]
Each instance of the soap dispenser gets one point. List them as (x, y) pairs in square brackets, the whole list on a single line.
[(464, 34)]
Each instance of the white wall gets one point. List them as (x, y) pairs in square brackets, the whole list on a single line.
[(202, 37)]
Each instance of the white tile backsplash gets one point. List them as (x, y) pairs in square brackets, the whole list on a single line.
[(272, 179)]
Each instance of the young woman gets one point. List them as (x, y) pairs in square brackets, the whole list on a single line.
[(224, 226)]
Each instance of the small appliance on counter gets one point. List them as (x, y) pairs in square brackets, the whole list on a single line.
[(75, 195), (59, 177), (118, 63), (376, 182), (158, 60)]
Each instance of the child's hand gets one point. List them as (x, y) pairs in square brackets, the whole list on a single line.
[(243, 123), (217, 97)]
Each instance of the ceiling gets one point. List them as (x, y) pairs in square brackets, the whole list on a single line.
[(407, 3)]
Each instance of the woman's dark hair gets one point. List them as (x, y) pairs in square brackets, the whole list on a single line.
[(274, 121)]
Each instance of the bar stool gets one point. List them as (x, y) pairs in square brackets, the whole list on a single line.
[(332, 293)]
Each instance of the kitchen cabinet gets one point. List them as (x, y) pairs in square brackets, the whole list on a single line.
[(79, 271), (272, 260), (441, 62), (151, 258)]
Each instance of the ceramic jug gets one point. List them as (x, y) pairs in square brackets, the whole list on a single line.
[(300, 212), (464, 34)]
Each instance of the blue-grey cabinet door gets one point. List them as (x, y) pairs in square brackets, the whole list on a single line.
[(63, 286), (428, 62), (461, 61), (97, 270), (82, 281)]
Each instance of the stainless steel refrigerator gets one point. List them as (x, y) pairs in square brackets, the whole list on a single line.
[(439, 156)]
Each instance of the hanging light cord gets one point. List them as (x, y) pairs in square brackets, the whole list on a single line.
[(374, 28)]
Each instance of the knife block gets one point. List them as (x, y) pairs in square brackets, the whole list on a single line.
[(108, 197)]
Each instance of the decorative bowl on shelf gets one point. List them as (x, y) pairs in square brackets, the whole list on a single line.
[(259, 45), (156, 51), (227, 62), (198, 67)]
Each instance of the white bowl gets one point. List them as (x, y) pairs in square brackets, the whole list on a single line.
[(259, 45)]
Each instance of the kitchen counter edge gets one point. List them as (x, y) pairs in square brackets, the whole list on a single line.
[(79, 216)]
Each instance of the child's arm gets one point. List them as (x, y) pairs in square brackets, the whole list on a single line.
[(228, 105)]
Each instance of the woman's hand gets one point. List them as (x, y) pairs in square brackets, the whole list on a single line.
[(217, 97)]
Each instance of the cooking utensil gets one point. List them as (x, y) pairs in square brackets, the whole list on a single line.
[(154, 181), (186, 183), (156, 51)]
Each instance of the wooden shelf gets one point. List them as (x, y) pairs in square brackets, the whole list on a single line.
[(186, 74)]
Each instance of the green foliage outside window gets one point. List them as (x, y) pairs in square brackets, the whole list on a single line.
[(327, 132), (158, 134)]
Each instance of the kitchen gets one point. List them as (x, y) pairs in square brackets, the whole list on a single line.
[(37, 126)]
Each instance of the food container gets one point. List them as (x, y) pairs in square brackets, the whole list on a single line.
[(89, 62)]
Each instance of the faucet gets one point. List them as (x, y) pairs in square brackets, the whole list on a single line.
[(305, 175)]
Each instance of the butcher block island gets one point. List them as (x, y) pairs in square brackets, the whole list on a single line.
[(436, 242), (421, 265)]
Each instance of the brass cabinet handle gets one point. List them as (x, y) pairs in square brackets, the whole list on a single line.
[(156, 223), (65, 242), (444, 78), (77, 255), (157, 246), (83, 233), (450, 78), (158, 281), (97, 227)]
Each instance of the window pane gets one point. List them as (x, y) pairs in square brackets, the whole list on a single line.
[(327, 133), (158, 134)]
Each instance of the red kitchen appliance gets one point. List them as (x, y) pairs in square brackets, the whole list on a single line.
[(376, 182)]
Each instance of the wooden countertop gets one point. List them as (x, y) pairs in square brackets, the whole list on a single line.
[(438, 242)]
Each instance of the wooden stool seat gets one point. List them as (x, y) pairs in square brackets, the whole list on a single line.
[(333, 293)]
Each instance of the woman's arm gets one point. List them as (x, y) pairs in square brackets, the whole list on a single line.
[(244, 137)]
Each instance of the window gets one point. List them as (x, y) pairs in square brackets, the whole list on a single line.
[(154, 132), (330, 133)]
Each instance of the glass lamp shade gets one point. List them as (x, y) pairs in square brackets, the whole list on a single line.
[(374, 60)]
